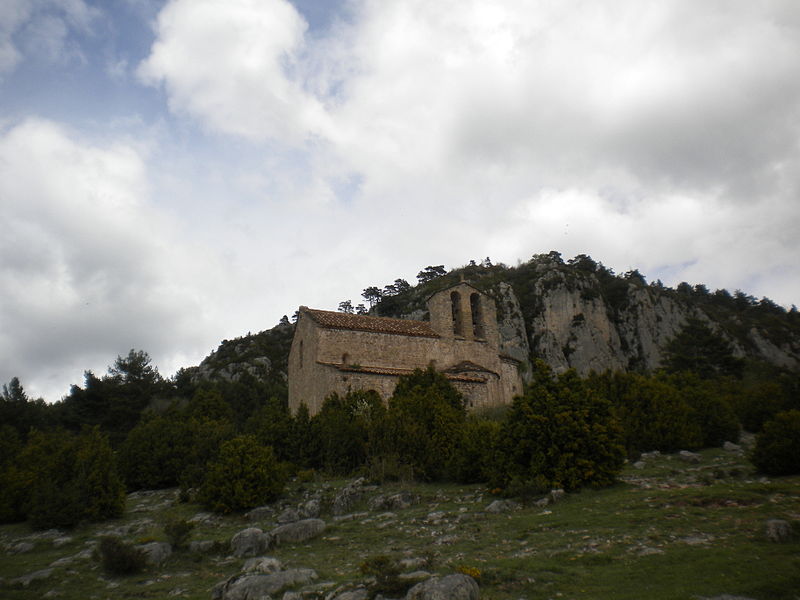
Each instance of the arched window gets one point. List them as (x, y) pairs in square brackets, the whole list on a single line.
[(477, 316), (345, 359), (455, 302)]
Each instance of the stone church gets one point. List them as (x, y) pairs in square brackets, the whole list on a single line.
[(338, 352)]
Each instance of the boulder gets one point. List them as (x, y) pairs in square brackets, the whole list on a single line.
[(435, 517), (452, 587), (501, 506), (249, 542), (778, 530), (414, 576), (155, 553), (201, 546), (21, 548), (557, 495), (290, 515), (261, 513), (26, 580), (256, 587), (412, 563), (689, 457), (397, 501), (348, 496), (310, 509), (62, 541), (731, 447), (356, 594), (299, 531), (262, 564)]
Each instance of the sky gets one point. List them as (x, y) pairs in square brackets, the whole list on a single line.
[(175, 173)]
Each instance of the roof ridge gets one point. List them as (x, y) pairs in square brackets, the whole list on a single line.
[(390, 325)]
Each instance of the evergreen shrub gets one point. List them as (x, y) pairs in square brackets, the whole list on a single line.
[(424, 422), (120, 558), (559, 434), (777, 450), (245, 475), (178, 532)]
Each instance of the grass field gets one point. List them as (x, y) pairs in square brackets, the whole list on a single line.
[(669, 530)]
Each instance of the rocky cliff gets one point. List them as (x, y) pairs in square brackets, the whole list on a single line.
[(574, 314)]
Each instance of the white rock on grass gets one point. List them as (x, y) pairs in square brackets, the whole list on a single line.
[(778, 530), (262, 564), (501, 506), (249, 542), (452, 587), (299, 531), (689, 457), (26, 580), (252, 587), (155, 553)]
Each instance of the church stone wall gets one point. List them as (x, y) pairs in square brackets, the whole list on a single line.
[(323, 360)]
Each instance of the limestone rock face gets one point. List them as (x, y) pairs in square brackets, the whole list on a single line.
[(511, 324), (574, 327)]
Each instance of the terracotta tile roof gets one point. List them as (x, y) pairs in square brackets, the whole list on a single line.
[(397, 372), (338, 320), (465, 367)]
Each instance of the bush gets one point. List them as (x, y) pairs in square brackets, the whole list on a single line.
[(424, 422), (652, 412), (120, 558), (710, 406), (561, 434), (386, 571), (171, 449), (346, 430), (178, 532), (474, 457), (63, 479), (777, 450), (244, 476)]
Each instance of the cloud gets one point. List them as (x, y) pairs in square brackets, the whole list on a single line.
[(230, 65), (89, 268), (41, 29), (675, 126)]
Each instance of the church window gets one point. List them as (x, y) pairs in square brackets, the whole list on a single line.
[(477, 316), (455, 302)]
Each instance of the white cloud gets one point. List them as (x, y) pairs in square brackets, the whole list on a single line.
[(230, 65), (666, 136), (89, 268)]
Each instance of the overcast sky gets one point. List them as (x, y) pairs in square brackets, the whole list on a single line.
[(173, 173)]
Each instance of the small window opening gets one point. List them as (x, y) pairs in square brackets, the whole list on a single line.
[(477, 316), (345, 359), (455, 303), (301, 354)]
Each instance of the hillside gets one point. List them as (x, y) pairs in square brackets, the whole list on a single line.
[(671, 529), (572, 314)]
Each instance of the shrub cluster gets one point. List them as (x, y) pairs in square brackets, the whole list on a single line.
[(777, 450), (60, 479), (120, 558), (245, 475)]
